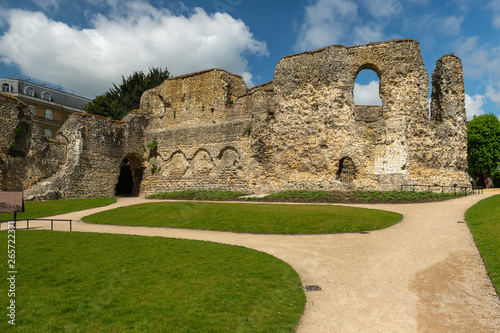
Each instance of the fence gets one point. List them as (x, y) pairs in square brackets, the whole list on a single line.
[(443, 189), (28, 223)]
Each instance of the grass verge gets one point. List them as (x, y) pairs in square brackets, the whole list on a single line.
[(244, 217), (37, 209), (315, 196), (359, 196), (484, 222), (79, 282), (199, 195)]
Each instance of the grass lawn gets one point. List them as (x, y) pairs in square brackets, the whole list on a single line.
[(359, 196), (245, 217), (339, 196), (484, 222), (79, 282), (38, 209), (199, 195)]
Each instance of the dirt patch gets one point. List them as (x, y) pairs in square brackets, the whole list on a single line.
[(447, 297)]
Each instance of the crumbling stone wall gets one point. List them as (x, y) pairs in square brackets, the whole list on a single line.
[(26, 156), (201, 131), (302, 130), (438, 154), (95, 150)]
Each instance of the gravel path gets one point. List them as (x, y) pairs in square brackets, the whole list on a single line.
[(424, 274)]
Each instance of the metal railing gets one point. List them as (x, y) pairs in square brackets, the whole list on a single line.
[(28, 223), (442, 188)]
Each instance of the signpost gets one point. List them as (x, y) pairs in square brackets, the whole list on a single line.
[(12, 202)]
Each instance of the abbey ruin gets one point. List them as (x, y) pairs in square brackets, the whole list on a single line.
[(207, 130)]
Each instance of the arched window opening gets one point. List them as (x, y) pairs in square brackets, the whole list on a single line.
[(367, 88), (30, 91), (6, 87), (46, 96), (347, 171)]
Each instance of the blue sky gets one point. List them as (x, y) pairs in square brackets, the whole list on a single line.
[(86, 45)]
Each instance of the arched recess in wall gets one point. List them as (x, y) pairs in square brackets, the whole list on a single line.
[(367, 86), (346, 172), (130, 177)]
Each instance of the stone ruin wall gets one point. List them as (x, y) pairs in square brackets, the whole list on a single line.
[(202, 133), (300, 131), (294, 132), (26, 156)]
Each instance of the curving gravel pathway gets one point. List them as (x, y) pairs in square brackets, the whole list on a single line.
[(424, 274)]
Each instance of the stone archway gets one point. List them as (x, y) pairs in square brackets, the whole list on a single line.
[(130, 176)]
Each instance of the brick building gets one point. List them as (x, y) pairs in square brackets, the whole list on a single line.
[(50, 103)]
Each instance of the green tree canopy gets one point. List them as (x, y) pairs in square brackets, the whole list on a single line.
[(483, 150), (118, 101)]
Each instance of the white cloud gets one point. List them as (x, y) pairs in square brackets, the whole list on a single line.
[(494, 5), (479, 61), (451, 25), (367, 94), (474, 105), (329, 22), (493, 94), (325, 23), (134, 37)]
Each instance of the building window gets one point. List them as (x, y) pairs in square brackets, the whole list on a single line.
[(32, 108), (6, 87), (46, 96), (48, 133), (30, 91), (48, 114)]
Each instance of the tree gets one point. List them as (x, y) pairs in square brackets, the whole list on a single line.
[(483, 151), (118, 101)]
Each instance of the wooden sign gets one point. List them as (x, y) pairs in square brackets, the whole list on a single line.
[(11, 202)]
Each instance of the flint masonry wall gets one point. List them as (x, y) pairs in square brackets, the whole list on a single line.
[(202, 133), (95, 150), (302, 130), (26, 156)]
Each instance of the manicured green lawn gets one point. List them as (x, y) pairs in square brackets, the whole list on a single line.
[(358, 196), (246, 217), (339, 196), (484, 222), (199, 195), (37, 209), (79, 282)]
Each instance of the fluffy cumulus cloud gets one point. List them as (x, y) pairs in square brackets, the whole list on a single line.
[(367, 94), (357, 22), (325, 22), (474, 105), (135, 36)]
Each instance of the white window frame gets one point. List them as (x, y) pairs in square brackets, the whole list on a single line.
[(30, 91), (48, 114), (6, 85), (46, 96)]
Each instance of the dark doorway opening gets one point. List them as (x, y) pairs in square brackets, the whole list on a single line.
[(125, 184), (347, 171)]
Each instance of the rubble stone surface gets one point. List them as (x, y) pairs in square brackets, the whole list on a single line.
[(207, 130)]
